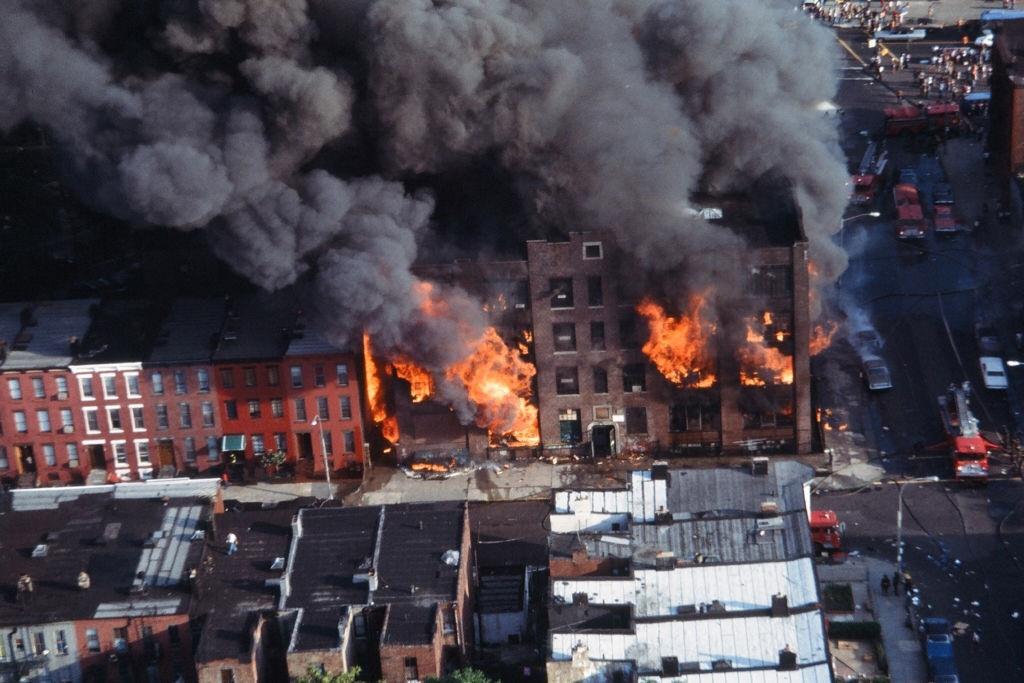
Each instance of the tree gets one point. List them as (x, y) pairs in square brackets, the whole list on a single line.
[(316, 674), (468, 675)]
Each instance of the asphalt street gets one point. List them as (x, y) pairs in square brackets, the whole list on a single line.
[(964, 546)]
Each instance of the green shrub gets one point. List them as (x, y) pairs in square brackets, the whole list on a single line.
[(855, 630)]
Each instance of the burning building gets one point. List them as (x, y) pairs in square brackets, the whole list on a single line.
[(620, 372)]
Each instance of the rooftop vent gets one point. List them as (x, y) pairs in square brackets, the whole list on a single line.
[(780, 606), (787, 659), (665, 560), (721, 665), (450, 558), (277, 564), (669, 666), (769, 508), (716, 607), (759, 466), (41, 550)]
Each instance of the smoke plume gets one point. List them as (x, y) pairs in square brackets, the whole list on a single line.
[(609, 115)]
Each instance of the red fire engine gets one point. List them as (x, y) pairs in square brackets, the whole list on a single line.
[(868, 179), (968, 448), (910, 221), (912, 120), (827, 535)]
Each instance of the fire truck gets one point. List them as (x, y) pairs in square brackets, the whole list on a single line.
[(827, 535), (968, 448), (910, 220), (868, 179), (911, 120)]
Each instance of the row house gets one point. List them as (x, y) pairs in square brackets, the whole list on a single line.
[(41, 421), (283, 388), (130, 390)]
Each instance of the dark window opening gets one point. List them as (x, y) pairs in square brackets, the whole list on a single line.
[(561, 292), (597, 335), (570, 429), (565, 336), (567, 380), (595, 292), (600, 381), (628, 336), (636, 420), (634, 378)]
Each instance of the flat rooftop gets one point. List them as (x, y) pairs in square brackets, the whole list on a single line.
[(137, 552), (39, 335)]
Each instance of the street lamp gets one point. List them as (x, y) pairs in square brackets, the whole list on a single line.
[(899, 518), (323, 447), (842, 224)]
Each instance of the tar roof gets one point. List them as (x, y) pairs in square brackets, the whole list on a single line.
[(45, 341), (311, 343), (510, 533), (737, 489), (403, 544), (234, 588), (190, 332), (137, 553), (121, 331), (257, 328)]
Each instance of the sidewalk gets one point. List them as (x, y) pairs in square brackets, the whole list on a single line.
[(902, 648)]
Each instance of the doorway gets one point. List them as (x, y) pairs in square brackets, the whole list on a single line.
[(305, 442), (602, 440), (165, 452), (26, 459), (97, 458)]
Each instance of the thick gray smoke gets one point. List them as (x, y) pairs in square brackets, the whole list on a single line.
[(609, 114)]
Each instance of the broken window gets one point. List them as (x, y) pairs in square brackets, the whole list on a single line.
[(567, 380), (636, 420), (634, 377), (565, 336), (561, 292), (570, 429)]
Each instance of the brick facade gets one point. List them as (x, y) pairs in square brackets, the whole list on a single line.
[(582, 301), (154, 646)]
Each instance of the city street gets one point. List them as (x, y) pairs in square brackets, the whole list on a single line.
[(963, 546)]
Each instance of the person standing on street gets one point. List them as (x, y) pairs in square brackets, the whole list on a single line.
[(896, 583), (232, 541), (885, 584)]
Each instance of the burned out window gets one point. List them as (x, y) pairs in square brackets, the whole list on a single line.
[(761, 410), (565, 336), (595, 291), (412, 671), (770, 281), (567, 380), (692, 417), (600, 380), (634, 377), (561, 292), (521, 294), (636, 420), (570, 429), (592, 250), (597, 335), (629, 337)]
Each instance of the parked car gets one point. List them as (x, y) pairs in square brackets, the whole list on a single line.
[(876, 374), (942, 194), (866, 340), (993, 373), (945, 220)]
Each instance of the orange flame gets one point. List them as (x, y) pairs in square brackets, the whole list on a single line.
[(761, 365), (421, 384), (678, 347), (499, 381), (821, 337), (375, 394)]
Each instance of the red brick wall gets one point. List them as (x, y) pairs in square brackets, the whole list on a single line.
[(10, 439), (194, 398), (428, 661), (170, 657)]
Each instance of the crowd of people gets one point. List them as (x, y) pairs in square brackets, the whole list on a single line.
[(954, 72)]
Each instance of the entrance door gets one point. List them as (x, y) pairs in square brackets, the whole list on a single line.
[(305, 441), (165, 452), (602, 440), (97, 458), (26, 459)]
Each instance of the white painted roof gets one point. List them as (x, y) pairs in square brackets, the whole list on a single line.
[(738, 587), (51, 498), (748, 642)]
